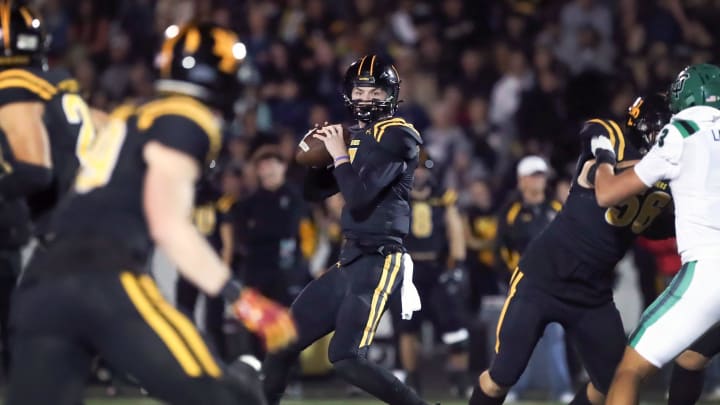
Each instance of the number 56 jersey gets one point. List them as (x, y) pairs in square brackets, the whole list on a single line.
[(106, 200), (66, 119), (574, 258)]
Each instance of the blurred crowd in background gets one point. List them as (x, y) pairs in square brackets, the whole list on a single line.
[(485, 82)]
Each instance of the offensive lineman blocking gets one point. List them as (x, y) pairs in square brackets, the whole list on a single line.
[(686, 153)]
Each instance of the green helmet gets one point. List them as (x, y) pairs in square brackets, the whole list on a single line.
[(695, 85)]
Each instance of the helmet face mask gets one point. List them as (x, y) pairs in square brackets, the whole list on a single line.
[(374, 73), (646, 117), (368, 110)]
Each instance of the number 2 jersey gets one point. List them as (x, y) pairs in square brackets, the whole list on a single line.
[(106, 200), (687, 153), (574, 258), (66, 119)]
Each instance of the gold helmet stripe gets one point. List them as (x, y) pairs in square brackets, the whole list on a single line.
[(361, 65)]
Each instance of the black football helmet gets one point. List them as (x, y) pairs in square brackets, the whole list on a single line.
[(24, 42), (201, 61), (646, 117), (372, 71)]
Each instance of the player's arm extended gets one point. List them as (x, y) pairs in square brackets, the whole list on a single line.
[(661, 162), (612, 189), (168, 198), (29, 166)]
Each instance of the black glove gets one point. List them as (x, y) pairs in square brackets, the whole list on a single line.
[(455, 280)]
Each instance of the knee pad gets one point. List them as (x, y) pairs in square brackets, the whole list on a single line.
[(457, 341)]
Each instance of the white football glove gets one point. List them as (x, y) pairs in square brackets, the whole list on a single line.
[(598, 143)]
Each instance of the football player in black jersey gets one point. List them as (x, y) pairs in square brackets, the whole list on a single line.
[(375, 177), (45, 126), (90, 292), (565, 275)]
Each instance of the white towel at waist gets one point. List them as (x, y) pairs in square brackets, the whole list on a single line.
[(408, 293)]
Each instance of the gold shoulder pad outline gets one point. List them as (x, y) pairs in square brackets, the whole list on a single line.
[(69, 86), (380, 127), (617, 139), (20, 78), (185, 107)]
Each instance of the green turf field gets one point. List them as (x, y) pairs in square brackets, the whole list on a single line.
[(305, 402), (338, 401)]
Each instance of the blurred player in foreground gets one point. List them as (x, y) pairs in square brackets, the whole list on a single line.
[(89, 291)]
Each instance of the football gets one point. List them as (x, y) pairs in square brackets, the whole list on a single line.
[(311, 151)]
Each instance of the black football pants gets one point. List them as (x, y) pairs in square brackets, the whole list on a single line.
[(349, 299), (63, 313)]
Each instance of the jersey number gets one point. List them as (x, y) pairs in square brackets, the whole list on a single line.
[(422, 223), (78, 113), (97, 154), (640, 212), (98, 162)]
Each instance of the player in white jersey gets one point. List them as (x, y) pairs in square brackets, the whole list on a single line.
[(687, 154)]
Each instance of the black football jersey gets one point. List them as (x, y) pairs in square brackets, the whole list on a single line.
[(585, 241), (428, 230), (376, 185), (106, 197), (67, 121)]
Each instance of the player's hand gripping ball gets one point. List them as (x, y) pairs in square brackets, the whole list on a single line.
[(312, 152), (269, 320)]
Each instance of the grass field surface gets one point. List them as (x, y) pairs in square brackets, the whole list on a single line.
[(338, 401)]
